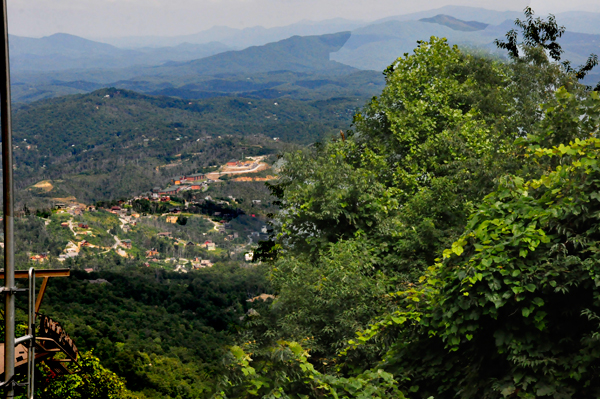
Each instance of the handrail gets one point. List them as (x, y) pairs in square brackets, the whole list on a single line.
[(40, 273), (22, 339)]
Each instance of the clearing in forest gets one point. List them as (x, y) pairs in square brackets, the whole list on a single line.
[(44, 185)]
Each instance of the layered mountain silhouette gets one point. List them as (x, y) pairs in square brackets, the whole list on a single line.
[(62, 51), (455, 23), (298, 54), (208, 66)]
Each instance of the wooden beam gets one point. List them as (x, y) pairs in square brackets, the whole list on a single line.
[(40, 273), (40, 296)]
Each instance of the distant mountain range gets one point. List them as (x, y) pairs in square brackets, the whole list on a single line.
[(575, 21), (62, 51), (268, 63), (297, 54), (455, 23), (376, 46), (240, 38), (298, 67)]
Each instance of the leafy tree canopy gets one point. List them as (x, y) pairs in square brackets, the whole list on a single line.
[(372, 212)]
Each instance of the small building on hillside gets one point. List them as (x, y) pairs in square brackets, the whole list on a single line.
[(178, 180), (201, 264), (152, 253), (172, 219), (63, 257), (196, 177), (164, 234), (39, 258), (126, 243), (170, 191), (209, 245)]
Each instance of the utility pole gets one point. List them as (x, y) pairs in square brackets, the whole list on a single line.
[(9, 202)]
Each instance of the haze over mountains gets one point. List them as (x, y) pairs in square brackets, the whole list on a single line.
[(303, 60), (63, 51)]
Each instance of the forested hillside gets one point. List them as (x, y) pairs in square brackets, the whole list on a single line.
[(113, 143)]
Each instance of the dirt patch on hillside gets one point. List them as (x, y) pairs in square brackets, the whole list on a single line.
[(212, 176), (168, 166), (255, 178), (66, 200), (44, 185)]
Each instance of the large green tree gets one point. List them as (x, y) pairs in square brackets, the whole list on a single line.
[(512, 309), (366, 214), (369, 213)]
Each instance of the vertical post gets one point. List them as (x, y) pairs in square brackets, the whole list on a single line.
[(8, 188), (31, 333)]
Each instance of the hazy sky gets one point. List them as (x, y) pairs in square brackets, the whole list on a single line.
[(110, 18)]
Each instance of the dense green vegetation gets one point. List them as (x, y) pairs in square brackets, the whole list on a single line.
[(115, 143), (447, 247), (163, 332)]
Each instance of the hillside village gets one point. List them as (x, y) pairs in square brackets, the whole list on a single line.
[(179, 227), (200, 181)]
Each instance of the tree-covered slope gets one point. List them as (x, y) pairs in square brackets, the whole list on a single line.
[(118, 141)]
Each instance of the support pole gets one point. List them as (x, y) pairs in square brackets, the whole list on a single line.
[(31, 333), (8, 188)]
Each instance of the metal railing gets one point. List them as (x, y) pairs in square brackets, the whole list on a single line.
[(9, 382), (31, 335)]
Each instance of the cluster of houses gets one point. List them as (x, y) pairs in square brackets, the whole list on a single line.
[(39, 258), (195, 181), (129, 218), (71, 251), (209, 245), (195, 264), (242, 164)]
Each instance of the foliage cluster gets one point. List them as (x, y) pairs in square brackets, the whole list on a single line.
[(164, 333), (455, 160)]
